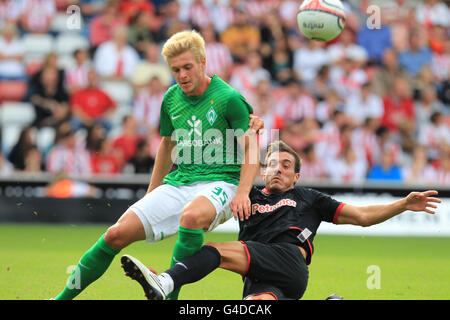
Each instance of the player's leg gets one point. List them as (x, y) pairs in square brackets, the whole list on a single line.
[(208, 209), (230, 255), (153, 217), (195, 217), (98, 258)]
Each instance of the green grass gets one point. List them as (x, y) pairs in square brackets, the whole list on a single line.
[(34, 260)]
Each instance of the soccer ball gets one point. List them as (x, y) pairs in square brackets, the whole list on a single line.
[(321, 20)]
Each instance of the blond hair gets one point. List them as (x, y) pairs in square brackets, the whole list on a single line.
[(183, 41)]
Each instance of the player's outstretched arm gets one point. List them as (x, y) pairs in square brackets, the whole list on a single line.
[(240, 205), (163, 162), (373, 214)]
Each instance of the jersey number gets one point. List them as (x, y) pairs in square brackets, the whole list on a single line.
[(223, 197)]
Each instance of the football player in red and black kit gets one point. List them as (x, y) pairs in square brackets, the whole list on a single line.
[(276, 239)]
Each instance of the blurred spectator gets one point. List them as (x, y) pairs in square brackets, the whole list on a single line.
[(273, 123), (322, 84), (95, 133), (417, 56), (220, 60), (375, 41), (91, 104), (281, 61), (348, 76), (432, 12), (33, 162), (115, 59), (50, 99), (131, 8), (245, 77), (92, 8), (387, 72), (103, 25), (241, 37), (147, 106), (126, 143), (419, 171), (309, 59), (274, 48), (61, 186), (440, 62), (398, 106), (435, 135), (297, 104), (259, 10), (170, 11), (386, 171), (27, 139), (313, 167), (427, 105), (150, 67), (330, 142), (442, 172), (103, 159), (347, 168), (436, 38), (223, 14), (37, 15), (198, 14), (76, 76), (68, 155), (328, 105), (140, 33), (386, 142), (300, 134), (12, 51), (364, 105), (6, 168), (51, 60), (10, 12), (142, 162), (345, 46), (364, 139), (400, 16)]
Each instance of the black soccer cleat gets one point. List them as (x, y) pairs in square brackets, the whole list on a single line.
[(148, 280), (334, 296)]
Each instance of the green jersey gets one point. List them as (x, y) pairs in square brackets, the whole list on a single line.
[(205, 128)]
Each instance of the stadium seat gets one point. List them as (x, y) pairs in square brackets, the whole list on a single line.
[(37, 45), (120, 91), (12, 90), (16, 113), (10, 135), (45, 138), (68, 42), (59, 23)]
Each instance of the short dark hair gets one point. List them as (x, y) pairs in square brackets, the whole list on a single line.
[(280, 146)]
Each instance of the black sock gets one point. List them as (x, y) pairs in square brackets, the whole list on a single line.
[(195, 267)]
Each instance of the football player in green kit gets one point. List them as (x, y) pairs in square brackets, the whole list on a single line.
[(208, 132)]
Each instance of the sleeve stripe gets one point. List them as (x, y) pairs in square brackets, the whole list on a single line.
[(338, 211)]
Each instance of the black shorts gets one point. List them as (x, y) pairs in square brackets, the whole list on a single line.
[(275, 268)]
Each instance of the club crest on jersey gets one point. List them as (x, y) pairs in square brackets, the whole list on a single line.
[(265, 208), (211, 116)]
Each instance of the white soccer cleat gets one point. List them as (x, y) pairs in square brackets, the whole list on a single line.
[(148, 280)]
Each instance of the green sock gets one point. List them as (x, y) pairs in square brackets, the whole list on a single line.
[(91, 266), (189, 242)]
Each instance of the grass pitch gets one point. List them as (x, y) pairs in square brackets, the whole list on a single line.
[(35, 261)]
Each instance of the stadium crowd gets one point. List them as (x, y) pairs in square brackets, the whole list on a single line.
[(371, 105)]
